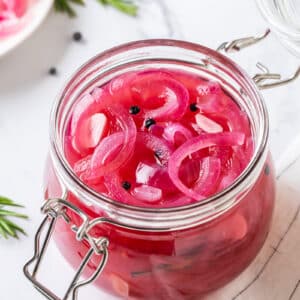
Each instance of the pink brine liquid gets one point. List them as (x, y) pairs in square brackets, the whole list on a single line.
[(163, 138), (145, 139)]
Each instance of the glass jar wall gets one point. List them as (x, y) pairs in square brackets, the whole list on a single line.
[(170, 253)]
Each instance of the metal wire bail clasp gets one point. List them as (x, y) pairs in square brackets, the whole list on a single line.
[(56, 209), (239, 44), (265, 79)]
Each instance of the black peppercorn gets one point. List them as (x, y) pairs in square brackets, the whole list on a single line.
[(149, 122), (193, 107), (52, 71), (134, 110), (77, 36), (126, 185)]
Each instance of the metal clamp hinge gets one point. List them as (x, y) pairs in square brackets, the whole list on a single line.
[(54, 210), (239, 44), (265, 79)]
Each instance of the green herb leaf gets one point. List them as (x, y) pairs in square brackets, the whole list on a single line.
[(126, 6), (65, 6), (7, 227), (7, 202)]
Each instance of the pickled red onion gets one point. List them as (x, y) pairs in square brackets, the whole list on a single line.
[(159, 147), (151, 86), (120, 88), (196, 144), (11, 15), (215, 101), (179, 158), (156, 130), (176, 131), (189, 171), (238, 162), (108, 149), (113, 183), (83, 170), (116, 149), (155, 176), (162, 180), (209, 176)]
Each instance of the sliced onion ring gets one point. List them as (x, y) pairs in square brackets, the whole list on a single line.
[(158, 145), (209, 176), (104, 158), (174, 129), (156, 84), (196, 144), (113, 183)]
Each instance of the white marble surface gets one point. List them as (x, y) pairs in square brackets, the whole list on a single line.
[(27, 93)]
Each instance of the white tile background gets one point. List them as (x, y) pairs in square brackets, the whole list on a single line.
[(27, 93)]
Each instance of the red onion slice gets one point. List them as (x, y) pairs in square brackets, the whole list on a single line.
[(120, 88), (196, 144), (155, 176), (83, 170), (116, 149), (160, 148), (156, 130), (176, 134), (157, 86), (113, 183), (209, 176), (162, 180), (189, 171)]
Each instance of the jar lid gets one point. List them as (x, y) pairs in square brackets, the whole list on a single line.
[(284, 20)]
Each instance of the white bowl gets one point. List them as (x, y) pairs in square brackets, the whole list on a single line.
[(38, 13)]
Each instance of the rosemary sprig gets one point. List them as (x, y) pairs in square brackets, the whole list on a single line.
[(7, 227), (125, 6)]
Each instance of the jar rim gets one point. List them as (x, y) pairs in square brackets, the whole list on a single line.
[(69, 179)]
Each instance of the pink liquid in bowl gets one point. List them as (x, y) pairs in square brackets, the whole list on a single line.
[(162, 138)]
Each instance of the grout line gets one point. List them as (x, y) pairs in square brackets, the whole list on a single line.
[(294, 290), (287, 167)]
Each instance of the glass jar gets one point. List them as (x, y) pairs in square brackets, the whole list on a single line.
[(168, 253), (284, 19)]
